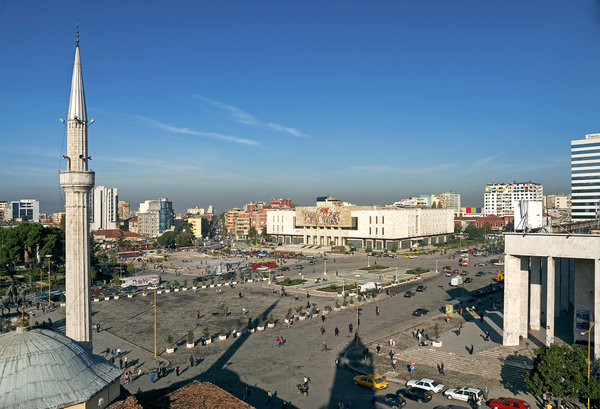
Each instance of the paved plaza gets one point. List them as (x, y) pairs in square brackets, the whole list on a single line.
[(254, 360)]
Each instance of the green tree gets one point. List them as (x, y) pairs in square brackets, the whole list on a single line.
[(185, 239), (562, 371), (167, 239), (473, 232), (457, 228)]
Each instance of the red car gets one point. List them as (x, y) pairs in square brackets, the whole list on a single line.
[(508, 403), (456, 272)]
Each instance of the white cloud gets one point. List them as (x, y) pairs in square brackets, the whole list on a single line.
[(188, 131), (246, 118)]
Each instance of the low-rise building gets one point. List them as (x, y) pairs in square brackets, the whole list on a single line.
[(332, 222)]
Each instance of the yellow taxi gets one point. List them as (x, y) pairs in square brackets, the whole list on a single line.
[(370, 381)]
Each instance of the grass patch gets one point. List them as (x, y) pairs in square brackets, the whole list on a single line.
[(334, 288), (375, 267), (288, 281), (418, 270)]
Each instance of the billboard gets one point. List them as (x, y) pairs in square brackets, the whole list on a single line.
[(335, 216)]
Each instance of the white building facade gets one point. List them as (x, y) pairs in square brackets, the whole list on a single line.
[(155, 217), (26, 210), (104, 208), (585, 177), (500, 198), (361, 226)]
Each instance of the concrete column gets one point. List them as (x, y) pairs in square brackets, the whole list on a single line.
[(564, 285), (595, 339), (512, 294), (550, 290), (535, 294), (524, 299), (544, 269)]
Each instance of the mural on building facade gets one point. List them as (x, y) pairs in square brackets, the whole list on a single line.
[(324, 216)]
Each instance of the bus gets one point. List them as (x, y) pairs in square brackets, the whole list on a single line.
[(263, 263), (285, 254), (139, 281), (128, 254)]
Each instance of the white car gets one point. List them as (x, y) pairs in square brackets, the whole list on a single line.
[(427, 384), (464, 393)]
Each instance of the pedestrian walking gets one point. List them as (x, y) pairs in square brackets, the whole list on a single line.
[(414, 335), (192, 361), (471, 350), (439, 369), (125, 361), (458, 330), (337, 362), (487, 335), (177, 370), (442, 368), (478, 403), (336, 331), (486, 393), (324, 346), (394, 362), (481, 317), (152, 377), (322, 317), (120, 363), (322, 330), (377, 310), (378, 348), (391, 354), (350, 328)]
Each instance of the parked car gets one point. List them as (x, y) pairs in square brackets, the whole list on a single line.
[(464, 393), (480, 264), (298, 266), (427, 384), (391, 400), (508, 403), (370, 381), (420, 312), (448, 274), (480, 274), (284, 268), (468, 280), (421, 288), (409, 294), (464, 273), (418, 394), (456, 272)]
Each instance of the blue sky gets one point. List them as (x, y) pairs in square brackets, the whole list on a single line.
[(225, 102)]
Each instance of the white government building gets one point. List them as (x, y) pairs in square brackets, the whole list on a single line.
[(332, 222)]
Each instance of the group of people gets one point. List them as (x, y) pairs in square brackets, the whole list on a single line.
[(280, 341)]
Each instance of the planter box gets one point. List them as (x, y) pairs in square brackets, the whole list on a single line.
[(325, 312), (250, 280), (252, 330), (222, 337), (177, 290), (170, 350), (337, 308), (437, 344), (219, 285), (212, 286), (237, 334), (287, 320), (208, 341), (96, 299), (184, 289), (63, 304), (190, 345), (143, 294), (194, 288), (116, 297), (302, 317), (106, 298), (260, 328), (131, 295), (343, 307), (234, 282), (339, 295), (203, 286), (159, 292), (271, 325), (167, 291)]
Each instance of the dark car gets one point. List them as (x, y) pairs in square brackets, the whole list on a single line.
[(480, 274), (420, 312), (418, 394), (421, 288), (468, 280), (285, 268), (299, 266), (409, 294), (391, 400), (478, 293), (464, 272)]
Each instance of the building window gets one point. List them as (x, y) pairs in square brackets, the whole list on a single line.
[(376, 219), (382, 220), (370, 221), (369, 231), (382, 230), (376, 229)]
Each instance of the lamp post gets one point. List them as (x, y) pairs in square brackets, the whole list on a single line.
[(325, 267), (368, 260), (155, 285), (356, 334), (589, 333), (48, 256)]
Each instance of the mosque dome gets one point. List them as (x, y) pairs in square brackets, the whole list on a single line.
[(44, 369)]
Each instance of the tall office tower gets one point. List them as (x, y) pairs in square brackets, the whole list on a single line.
[(585, 177), (103, 208), (500, 198), (26, 209), (77, 181)]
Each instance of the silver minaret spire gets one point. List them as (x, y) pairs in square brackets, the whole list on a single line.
[(77, 181)]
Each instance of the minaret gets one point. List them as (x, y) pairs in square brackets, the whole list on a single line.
[(77, 181)]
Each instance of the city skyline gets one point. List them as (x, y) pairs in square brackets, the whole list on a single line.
[(235, 102)]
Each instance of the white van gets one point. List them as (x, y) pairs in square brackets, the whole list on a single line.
[(456, 281)]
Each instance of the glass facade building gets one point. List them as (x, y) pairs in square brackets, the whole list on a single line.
[(585, 177)]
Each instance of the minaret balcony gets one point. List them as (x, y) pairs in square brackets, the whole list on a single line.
[(77, 179)]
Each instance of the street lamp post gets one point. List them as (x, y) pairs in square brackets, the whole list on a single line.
[(325, 267), (368, 260), (48, 256), (589, 333), (357, 298), (155, 354)]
